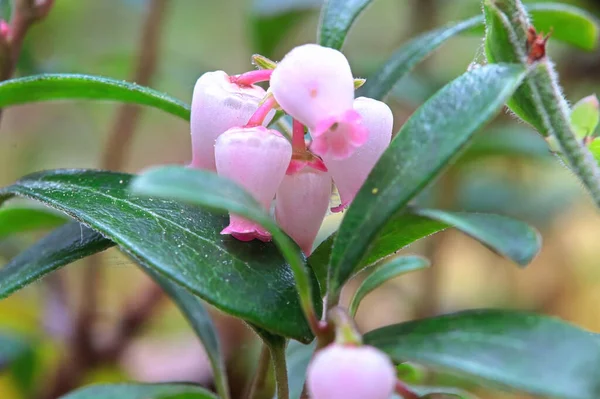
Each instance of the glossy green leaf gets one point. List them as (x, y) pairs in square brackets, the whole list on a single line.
[(391, 268), (207, 189), (337, 17), (18, 219), (503, 235), (60, 247), (585, 116), (48, 87), (200, 320), (509, 237), (141, 391), (180, 242), (410, 54), (525, 351), (427, 142)]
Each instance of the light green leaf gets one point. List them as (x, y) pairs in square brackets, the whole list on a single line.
[(427, 142), (141, 391), (537, 354), (18, 219), (48, 87), (389, 269), (585, 116)]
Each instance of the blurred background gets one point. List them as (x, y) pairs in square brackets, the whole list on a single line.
[(168, 44)]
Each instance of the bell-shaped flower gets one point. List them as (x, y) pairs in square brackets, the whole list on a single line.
[(349, 174), (256, 158), (217, 105), (314, 84), (301, 204), (350, 372)]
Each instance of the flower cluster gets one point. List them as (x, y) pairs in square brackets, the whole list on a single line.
[(315, 86)]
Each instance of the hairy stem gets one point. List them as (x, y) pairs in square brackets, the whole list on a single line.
[(280, 366)]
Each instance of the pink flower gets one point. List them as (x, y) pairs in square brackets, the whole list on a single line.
[(349, 174), (256, 158), (350, 372), (301, 204), (314, 84), (217, 105)]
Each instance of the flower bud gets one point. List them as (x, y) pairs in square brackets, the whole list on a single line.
[(256, 158), (301, 204), (217, 105), (312, 83), (349, 174), (350, 372)]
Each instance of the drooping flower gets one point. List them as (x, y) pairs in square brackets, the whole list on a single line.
[(349, 174), (257, 159), (217, 105), (314, 84), (301, 204), (350, 372)]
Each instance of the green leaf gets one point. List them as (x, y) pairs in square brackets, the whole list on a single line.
[(141, 391), (18, 219), (433, 392), (49, 87), (200, 320), (585, 116), (594, 148), (568, 23), (337, 16), (62, 246), (203, 188), (410, 54), (508, 237), (271, 20), (388, 270), (427, 142), (180, 242), (298, 357), (532, 353), (12, 347)]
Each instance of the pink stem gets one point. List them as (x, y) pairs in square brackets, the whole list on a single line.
[(249, 78), (261, 113), (298, 143), (403, 390)]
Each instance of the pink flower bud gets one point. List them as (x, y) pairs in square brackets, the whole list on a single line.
[(312, 83), (349, 174), (217, 105), (301, 203), (256, 158), (350, 372)]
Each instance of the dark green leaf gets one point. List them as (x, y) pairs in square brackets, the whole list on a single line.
[(17, 219), (203, 188), (427, 142), (180, 242), (389, 269), (141, 391), (67, 87), (337, 17), (410, 54), (62, 246), (533, 353)]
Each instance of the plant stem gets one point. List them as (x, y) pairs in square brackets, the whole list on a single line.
[(404, 390), (279, 363), (262, 372)]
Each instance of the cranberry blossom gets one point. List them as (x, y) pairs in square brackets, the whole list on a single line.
[(314, 84), (256, 158), (350, 372), (217, 105)]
